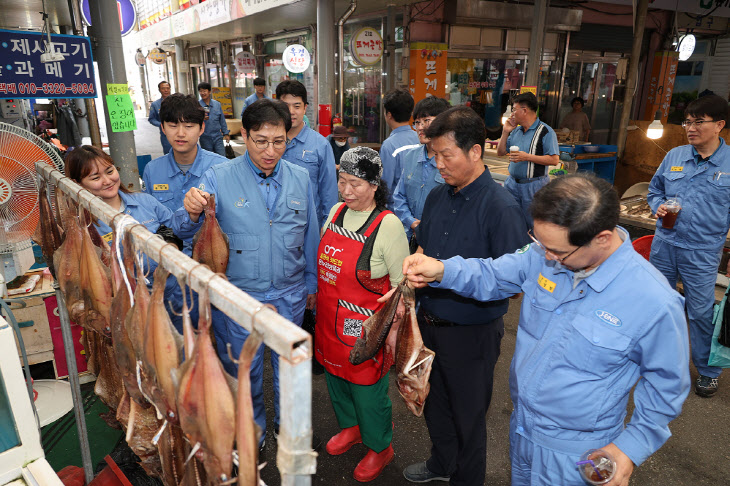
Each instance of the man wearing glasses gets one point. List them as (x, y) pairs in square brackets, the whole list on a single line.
[(596, 321), (698, 175), (265, 205), (538, 150), (419, 174)]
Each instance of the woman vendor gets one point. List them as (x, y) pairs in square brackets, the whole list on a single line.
[(360, 257), (94, 170)]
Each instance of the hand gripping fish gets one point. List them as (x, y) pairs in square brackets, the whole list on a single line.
[(375, 329), (210, 244), (413, 360)]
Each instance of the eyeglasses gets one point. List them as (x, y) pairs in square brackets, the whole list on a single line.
[(264, 144), (696, 123), (550, 253), (422, 123)]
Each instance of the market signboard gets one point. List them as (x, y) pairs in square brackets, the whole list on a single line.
[(223, 96), (661, 85), (23, 75), (125, 9), (366, 46), (245, 62), (296, 58), (427, 70)]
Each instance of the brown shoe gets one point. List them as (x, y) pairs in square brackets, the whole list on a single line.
[(373, 464), (341, 443)]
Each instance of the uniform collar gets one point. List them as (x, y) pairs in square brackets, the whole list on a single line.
[(257, 172), (613, 265), (401, 128), (475, 186), (202, 103), (173, 169), (533, 126), (302, 135), (711, 159)]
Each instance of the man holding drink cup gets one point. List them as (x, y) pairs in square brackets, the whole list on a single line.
[(690, 194)]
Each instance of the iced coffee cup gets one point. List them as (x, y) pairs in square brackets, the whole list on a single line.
[(514, 148), (596, 466), (673, 207)]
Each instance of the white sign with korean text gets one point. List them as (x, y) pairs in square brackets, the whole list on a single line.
[(366, 46), (245, 62), (296, 58)]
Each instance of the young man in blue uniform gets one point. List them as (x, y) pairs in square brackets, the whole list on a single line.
[(419, 174), (154, 117), (398, 105), (597, 320), (215, 122), (538, 150), (308, 149), (265, 205), (473, 216), (259, 86), (699, 175)]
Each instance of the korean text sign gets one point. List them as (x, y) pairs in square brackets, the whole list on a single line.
[(661, 85), (427, 70), (23, 75), (366, 46)]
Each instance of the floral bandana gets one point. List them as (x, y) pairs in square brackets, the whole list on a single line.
[(362, 162)]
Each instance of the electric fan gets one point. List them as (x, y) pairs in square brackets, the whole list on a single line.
[(19, 213)]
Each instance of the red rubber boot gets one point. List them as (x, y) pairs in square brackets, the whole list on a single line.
[(341, 443), (373, 464)]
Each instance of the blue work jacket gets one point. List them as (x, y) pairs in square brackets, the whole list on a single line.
[(250, 101), (275, 248), (164, 180), (312, 151), (580, 351), (704, 192), (151, 213), (154, 117), (215, 125), (400, 139), (546, 144), (419, 176)]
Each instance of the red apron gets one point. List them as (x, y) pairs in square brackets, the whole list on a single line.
[(346, 297)]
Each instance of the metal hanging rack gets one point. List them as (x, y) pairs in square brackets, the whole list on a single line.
[(295, 459)]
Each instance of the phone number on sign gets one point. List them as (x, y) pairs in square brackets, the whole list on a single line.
[(46, 88)]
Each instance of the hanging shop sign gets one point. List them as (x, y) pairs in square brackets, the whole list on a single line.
[(528, 89), (366, 46), (661, 85), (125, 9), (139, 58), (245, 62), (157, 55), (23, 75), (686, 46), (296, 58), (427, 70)]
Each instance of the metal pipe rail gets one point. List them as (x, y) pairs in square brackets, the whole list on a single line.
[(295, 459)]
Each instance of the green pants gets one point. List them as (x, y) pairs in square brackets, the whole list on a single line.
[(365, 405)]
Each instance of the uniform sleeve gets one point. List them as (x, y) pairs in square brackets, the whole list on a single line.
[(656, 195), (400, 204), (147, 179), (486, 279), (182, 225), (327, 182), (311, 244), (664, 384), (154, 117), (224, 125), (388, 165)]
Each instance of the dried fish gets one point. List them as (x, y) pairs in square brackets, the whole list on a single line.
[(210, 244), (50, 236), (375, 329), (247, 433)]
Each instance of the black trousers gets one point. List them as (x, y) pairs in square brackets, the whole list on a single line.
[(461, 389)]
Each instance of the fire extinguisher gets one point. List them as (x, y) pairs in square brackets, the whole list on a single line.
[(336, 120)]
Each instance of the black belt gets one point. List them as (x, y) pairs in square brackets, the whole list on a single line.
[(434, 321), (531, 179)]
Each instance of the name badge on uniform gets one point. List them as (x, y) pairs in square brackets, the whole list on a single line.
[(161, 187), (108, 237), (677, 168), (548, 285)]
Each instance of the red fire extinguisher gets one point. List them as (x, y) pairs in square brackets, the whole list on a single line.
[(336, 120)]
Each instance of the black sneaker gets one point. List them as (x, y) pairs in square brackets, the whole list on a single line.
[(419, 473), (705, 386), (316, 441)]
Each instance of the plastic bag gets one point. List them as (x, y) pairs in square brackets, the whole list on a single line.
[(719, 354), (230, 154)]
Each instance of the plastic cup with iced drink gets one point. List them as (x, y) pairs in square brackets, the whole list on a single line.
[(596, 466), (514, 149), (673, 207)]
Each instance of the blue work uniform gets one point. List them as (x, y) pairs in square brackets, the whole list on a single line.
[(400, 139), (419, 176), (311, 151), (154, 119), (215, 127), (151, 213), (693, 248), (582, 345), (526, 178), (250, 101), (273, 236)]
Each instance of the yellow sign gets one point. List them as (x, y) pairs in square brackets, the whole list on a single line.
[(223, 96), (546, 284), (117, 89), (677, 168), (161, 187), (529, 89), (108, 237)]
